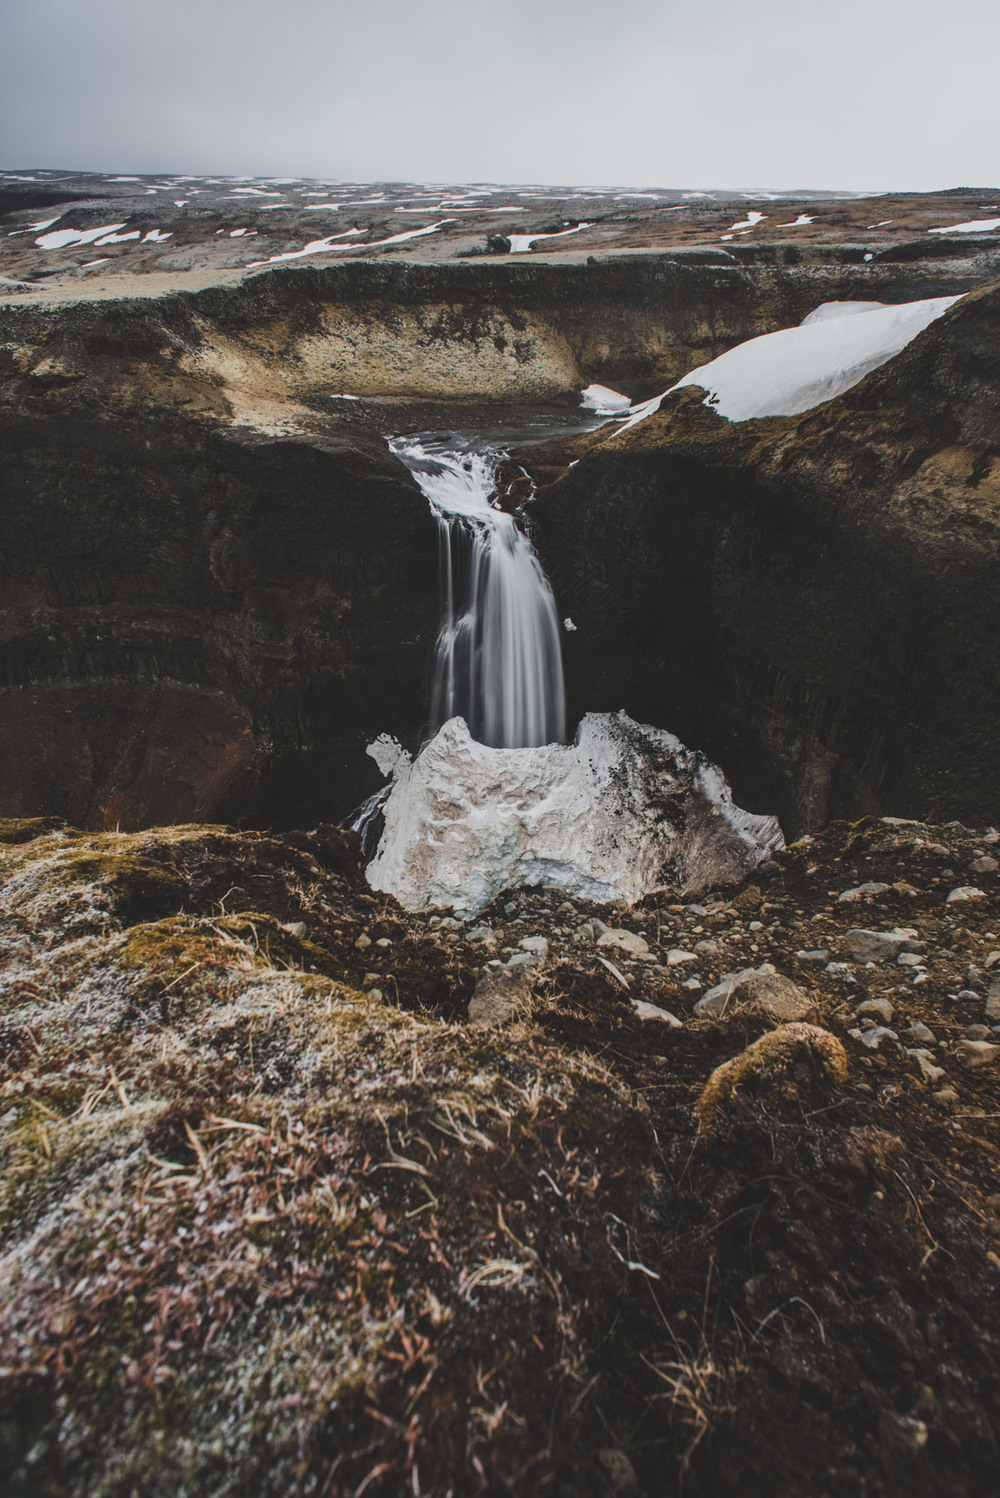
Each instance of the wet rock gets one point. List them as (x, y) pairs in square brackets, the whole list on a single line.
[(502, 994)]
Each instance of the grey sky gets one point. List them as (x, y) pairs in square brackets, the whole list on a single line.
[(862, 94)]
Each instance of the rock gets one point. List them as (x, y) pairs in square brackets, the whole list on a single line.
[(370, 980), (717, 999), (450, 923), (377, 995), (363, 942), (566, 910), (536, 944), (876, 1009), (861, 945), (985, 865), (873, 1037), (910, 959), (902, 888), (776, 996), (992, 1010), (779, 1057), (383, 941), (947, 1097), (693, 985), (296, 929), (964, 893), (708, 948), (977, 1032), (501, 994), (526, 959), (677, 957), (584, 936), (653, 1011), (621, 811), (481, 934), (928, 1068), (866, 891), (921, 1033), (974, 1054), (992, 959), (818, 957), (628, 941)]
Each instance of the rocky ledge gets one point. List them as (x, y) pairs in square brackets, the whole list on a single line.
[(305, 1194)]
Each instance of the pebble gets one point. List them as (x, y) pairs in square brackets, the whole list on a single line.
[(985, 865), (963, 893), (977, 1032), (877, 1008), (383, 941), (693, 985), (363, 942), (992, 1010), (537, 944), (480, 933), (653, 1011), (923, 1033), (628, 941), (925, 1060), (874, 1037), (370, 980), (910, 959), (861, 892), (677, 956), (708, 948), (296, 929), (873, 946), (819, 957), (967, 995)]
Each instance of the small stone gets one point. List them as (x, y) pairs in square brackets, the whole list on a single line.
[(838, 969), (974, 1054), (696, 910), (776, 996), (481, 933), (963, 893), (627, 941), (864, 891), (874, 1037), (377, 995), (921, 1033), (449, 923), (653, 1011), (756, 926), (904, 1432), (818, 957), (693, 985), (296, 929), (526, 959), (872, 946), (363, 942), (910, 959), (946, 1098), (977, 1032), (717, 999), (537, 944), (501, 994), (879, 1009), (676, 957), (925, 1060), (708, 948), (967, 996), (992, 959), (383, 941), (985, 865), (584, 935), (371, 980), (566, 909), (992, 1010)]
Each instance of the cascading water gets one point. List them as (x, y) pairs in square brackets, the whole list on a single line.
[(498, 662)]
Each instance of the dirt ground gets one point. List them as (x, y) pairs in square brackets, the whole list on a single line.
[(276, 1218)]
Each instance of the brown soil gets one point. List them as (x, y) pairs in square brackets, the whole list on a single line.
[(268, 1234)]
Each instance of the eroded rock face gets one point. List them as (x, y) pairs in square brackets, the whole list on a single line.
[(814, 600), (623, 810)]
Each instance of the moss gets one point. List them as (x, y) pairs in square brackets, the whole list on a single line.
[(25, 829), (772, 1062)]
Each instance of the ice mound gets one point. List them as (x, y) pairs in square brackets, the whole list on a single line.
[(623, 810)]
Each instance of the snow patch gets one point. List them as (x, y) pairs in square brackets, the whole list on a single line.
[(604, 401), (520, 244), (795, 369), (973, 226), (60, 238), (624, 810)]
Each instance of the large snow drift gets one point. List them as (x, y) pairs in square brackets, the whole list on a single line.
[(795, 369), (623, 810)]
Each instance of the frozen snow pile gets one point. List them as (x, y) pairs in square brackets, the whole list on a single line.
[(795, 369), (972, 226), (623, 810), (604, 401)]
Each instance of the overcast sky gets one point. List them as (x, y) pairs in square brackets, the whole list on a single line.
[(854, 94)]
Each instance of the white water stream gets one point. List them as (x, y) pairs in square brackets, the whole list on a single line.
[(498, 662)]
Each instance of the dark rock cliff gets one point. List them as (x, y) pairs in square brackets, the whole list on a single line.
[(813, 600)]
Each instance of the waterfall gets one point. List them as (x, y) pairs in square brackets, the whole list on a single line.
[(498, 662)]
